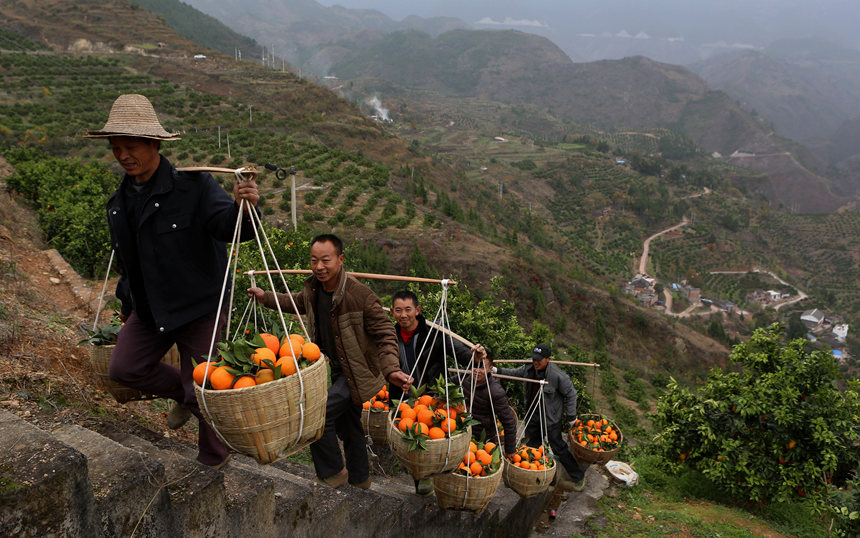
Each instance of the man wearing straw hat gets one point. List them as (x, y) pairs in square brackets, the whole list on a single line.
[(559, 397), (169, 231), (345, 318)]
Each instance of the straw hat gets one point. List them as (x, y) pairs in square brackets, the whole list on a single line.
[(132, 115)]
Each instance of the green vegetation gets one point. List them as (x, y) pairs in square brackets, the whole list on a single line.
[(779, 428)]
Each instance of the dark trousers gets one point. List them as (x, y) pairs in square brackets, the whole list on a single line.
[(559, 448), (136, 363), (343, 420)]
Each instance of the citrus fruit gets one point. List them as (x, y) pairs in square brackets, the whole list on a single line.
[(221, 379), (200, 372), (261, 354), (244, 381), (271, 342), (312, 352)]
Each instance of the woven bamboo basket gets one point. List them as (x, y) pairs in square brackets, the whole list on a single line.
[(265, 421), (100, 360), (458, 492), (375, 425), (526, 482), (436, 459), (586, 455)]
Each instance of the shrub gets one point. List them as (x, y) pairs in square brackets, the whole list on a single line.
[(777, 428)]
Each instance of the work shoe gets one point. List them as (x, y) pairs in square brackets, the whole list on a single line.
[(334, 481), (362, 485), (177, 416), (579, 486), (423, 487)]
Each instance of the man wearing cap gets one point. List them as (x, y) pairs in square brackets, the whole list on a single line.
[(169, 231), (559, 397)]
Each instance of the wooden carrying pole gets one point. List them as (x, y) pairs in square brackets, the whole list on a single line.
[(568, 363), (469, 372), (373, 276)]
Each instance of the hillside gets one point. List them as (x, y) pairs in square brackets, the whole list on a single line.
[(522, 69)]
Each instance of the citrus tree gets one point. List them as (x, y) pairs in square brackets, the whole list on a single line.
[(777, 427)]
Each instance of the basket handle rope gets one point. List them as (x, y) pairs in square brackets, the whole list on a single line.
[(104, 288), (234, 248)]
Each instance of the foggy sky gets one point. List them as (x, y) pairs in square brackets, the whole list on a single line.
[(734, 23)]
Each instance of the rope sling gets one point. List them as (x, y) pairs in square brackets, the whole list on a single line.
[(271, 438)]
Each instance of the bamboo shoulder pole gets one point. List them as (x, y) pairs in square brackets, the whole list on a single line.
[(372, 276), (568, 363), (469, 372), (217, 169)]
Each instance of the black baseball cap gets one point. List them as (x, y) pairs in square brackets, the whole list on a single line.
[(541, 351)]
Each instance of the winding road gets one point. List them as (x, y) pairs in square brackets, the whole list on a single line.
[(646, 245)]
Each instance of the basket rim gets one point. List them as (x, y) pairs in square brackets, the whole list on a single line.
[(612, 451), (208, 392), (457, 475), (391, 425)]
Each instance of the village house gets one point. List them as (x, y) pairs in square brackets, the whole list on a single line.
[(813, 318)]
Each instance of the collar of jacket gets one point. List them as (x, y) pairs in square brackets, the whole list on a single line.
[(422, 328), (163, 178)]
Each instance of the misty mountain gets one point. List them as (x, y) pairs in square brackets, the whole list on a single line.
[(807, 88), (673, 31), (297, 29), (636, 93)]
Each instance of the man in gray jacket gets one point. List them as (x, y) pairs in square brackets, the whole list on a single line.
[(559, 396)]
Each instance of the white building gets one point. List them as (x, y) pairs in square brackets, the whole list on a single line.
[(840, 331)]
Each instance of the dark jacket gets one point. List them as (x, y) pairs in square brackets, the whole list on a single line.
[(363, 332), (432, 354), (176, 259), (482, 411), (559, 394)]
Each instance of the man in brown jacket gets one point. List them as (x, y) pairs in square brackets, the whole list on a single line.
[(345, 318)]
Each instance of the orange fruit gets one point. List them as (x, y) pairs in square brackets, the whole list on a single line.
[(292, 346), (516, 458), (425, 399), (244, 381), (407, 412), (483, 457), (448, 425), (264, 376), (221, 379), (312, 352), (473, 447), (425, 416), (405, 423), (378, 405), (423, 428), (470, 458), (365, 405), (476, 468), (288, 366), (200, 371), (271, 342), (381, 393), (263, 353), (488, 446), (436, 433)]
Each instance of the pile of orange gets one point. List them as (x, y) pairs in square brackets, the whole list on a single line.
[(264, 364), (379, 403), (534, 459), (599, 435), (482, 459), (430, 417)]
